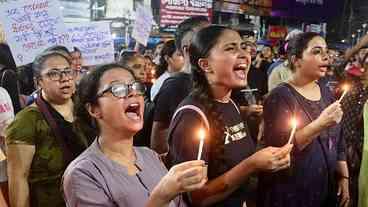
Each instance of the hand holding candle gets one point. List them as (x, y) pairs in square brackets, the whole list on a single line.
[(201, 135), (345, 89), (294, 124)]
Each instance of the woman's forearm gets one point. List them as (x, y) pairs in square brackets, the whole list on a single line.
[(156, 200), (305, 136), (342, 169), (221, 187), (18, 191)]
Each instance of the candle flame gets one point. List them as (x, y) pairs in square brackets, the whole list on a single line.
[(294, 122), (346, 87), (201, 134)]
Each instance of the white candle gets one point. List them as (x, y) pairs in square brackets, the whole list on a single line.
[(294, 124), (201, 135), (346, 89)]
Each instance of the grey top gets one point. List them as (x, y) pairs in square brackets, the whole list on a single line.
[(93, 179)]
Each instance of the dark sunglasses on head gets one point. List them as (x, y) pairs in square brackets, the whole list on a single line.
[(122, 90), (56, 74)]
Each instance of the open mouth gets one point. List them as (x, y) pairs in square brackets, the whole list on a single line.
[(324, 67), (240, 71), (65, 89), (133, 111)]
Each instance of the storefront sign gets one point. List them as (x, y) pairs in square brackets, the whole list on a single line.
[(172, 12), (277, 32)]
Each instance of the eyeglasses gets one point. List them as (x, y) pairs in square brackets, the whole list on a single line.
[(122, 90), (56, 74)]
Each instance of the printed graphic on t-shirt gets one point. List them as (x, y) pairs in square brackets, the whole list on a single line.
[(235, 133)]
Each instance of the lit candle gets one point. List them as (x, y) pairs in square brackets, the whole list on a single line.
[(346, 89), (294, 124), (201, 134)]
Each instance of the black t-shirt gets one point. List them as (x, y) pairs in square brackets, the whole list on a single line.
[(172, 92), (184, 141), (257, 77)]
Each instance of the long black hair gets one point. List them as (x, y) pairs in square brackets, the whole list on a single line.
[(6, 57), (200, 47), (87, 94), (168, 50)]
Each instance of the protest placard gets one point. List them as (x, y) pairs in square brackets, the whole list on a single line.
[(95, 41), (142, 25), (32, 26)]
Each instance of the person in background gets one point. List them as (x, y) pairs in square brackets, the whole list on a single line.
[(135, 62), (150, 70), (111, 172), (76, 59), (352, 105), (220, 63), (171, 61), (318, 173), (42, 140), (257, 77), (77, 63), (175, 88), (26, 84), (8, 76), (281, 58), (282, 72), (6, 117), (353, 124), (157, 52)]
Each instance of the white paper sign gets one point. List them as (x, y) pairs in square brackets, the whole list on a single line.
[(142, 25), (95, 41), (31, 27)]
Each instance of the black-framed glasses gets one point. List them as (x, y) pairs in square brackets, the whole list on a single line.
[(122, 90), (57, 74)]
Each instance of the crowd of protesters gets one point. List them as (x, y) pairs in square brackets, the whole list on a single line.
[(126, 133)]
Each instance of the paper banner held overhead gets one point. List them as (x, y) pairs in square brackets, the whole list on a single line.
[(32, 26), (95, 41), (143, 24)]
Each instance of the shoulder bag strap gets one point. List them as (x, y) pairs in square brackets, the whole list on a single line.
[(196, 109), (54, 128)]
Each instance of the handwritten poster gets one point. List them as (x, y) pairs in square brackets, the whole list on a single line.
[(32, 26), (142, 25), (95, 41)]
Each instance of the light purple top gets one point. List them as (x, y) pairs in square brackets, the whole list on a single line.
[(93, 179)]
